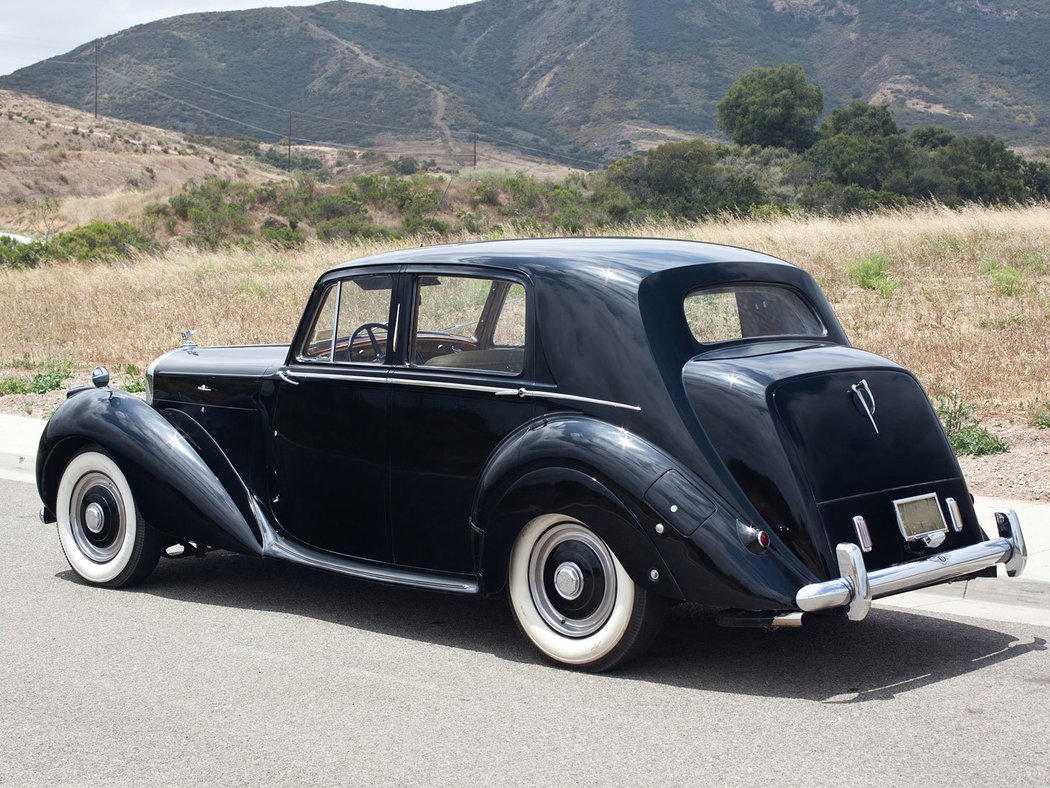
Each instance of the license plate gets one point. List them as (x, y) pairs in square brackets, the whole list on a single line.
[(919, 516)]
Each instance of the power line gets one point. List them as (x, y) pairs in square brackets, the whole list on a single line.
[(483, 137)]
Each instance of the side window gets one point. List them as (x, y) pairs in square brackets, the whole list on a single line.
[(469, 323), (510, 327), (351, 325)]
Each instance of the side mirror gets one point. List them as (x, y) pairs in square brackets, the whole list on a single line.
[(100, 377)]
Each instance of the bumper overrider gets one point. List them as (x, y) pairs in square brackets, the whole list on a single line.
[(857, 587)]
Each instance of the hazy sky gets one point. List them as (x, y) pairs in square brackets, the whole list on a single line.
[(32, 30)]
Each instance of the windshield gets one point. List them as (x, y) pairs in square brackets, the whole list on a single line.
[(742, 311)]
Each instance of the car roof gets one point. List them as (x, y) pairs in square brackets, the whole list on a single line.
[(637, 256)]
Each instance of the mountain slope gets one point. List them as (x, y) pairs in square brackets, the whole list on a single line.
[(572, 76)]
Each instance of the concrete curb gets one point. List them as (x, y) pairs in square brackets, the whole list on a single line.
[(19, 438)]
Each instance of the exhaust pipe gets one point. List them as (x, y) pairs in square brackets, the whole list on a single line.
[(750, 619)]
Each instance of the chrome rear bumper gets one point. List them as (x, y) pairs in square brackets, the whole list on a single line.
[(856, 587)]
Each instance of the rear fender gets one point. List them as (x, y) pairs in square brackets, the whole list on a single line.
[(559, 460), (576, 495), (556, 462), (183, 483)]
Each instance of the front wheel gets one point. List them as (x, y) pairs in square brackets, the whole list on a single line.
[(103, 537), (573, 599)]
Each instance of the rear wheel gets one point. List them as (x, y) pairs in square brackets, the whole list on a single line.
[(103, 537), (573, 599)]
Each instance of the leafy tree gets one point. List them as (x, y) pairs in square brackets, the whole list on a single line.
[(772, 107), (982, 169), (931, 137), (861, 119), (684, 179), (862, 145)]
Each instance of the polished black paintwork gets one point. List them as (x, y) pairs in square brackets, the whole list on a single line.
[(397, 465)]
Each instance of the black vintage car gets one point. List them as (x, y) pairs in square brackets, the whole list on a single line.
[(597, 427)]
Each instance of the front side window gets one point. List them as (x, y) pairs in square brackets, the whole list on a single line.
[(351, 325), (469, 323), (720, 314)]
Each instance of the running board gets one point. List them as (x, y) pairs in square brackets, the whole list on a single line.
[(276, 546)]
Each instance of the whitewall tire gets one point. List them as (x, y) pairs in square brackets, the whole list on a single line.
[(572, 598), (103, 537)]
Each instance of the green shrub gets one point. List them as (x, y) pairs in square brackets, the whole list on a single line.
[(964, 431), (51, 378), (283, 236), (347, 228), (871, 273), (1041, 416), (99, 241), (1007, 280), (134, 380)]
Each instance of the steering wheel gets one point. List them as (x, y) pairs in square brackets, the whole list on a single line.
[(369, 329)]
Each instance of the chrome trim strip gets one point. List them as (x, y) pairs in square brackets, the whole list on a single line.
[(567, 397), (441, 384), (397, 321), (276, 546), (857, 587), (454, 386), (285, 374)]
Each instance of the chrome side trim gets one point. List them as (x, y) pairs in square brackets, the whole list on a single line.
[(454, 386), (857, 587), (567, 397), (276, 546), (442, 384), (287, 374)]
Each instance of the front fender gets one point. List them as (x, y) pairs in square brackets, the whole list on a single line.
[(182, 482)]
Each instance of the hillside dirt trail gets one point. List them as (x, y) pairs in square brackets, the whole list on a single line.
[(440, 99)]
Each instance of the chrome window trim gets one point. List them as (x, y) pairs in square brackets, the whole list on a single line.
[(335, 320)]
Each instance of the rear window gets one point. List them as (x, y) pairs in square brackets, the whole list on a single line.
[(727, 312)]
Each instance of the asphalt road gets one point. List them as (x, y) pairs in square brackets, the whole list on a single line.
[(227, 670)]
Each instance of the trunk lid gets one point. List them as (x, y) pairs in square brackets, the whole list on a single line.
[(817, 436)]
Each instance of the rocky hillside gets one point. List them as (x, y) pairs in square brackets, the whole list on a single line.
[(587, 79)]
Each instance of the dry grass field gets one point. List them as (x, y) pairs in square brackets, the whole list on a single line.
[(964, 301)]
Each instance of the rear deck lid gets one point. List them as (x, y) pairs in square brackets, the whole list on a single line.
[(860, 431)]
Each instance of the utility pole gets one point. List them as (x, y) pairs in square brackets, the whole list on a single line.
[(475, 150), (289, 140), (96, 77)]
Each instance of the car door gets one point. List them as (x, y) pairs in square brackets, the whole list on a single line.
[(469, 336), (330, 441)]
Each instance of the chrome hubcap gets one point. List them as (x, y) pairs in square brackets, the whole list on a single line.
[(568, 580), (572, 580), (97, 517), (94, 518)]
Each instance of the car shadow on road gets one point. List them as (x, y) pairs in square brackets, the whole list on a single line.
[(829, 660)]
